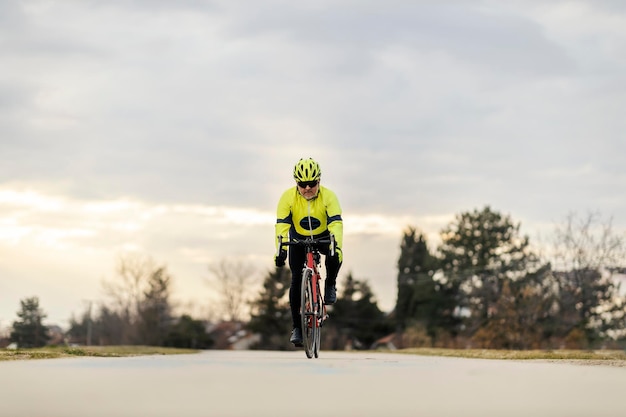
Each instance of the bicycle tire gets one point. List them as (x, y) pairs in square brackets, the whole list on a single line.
[(307, 314), (318, 321)]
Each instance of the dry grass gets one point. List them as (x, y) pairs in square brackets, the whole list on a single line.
[(99, 351), (583, 357)]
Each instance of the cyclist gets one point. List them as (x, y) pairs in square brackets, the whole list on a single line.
[(308, 210)]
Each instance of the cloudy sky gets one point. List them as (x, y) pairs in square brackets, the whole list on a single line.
[(171, 128)]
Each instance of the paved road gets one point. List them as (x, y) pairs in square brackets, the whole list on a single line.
[(252, 383)]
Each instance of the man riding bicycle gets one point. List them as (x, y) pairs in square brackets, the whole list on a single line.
[(308, 210)]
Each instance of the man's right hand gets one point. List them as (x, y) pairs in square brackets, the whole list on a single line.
[(279, 259)]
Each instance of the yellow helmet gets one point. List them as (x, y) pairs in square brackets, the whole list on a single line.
[(307, 170)]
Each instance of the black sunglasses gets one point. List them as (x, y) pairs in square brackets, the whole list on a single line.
[(304, 184)]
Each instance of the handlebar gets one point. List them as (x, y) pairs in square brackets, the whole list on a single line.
[(309, 241)]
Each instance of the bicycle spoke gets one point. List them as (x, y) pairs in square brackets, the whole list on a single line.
[(306, 311), (318, 322)]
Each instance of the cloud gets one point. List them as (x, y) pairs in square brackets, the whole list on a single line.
[(79, 240)]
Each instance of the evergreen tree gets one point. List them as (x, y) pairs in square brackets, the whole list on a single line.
[(188, 333), (355, 317), (112, 328), (522, 315), (535, 301), (502, 330), (271, 315), (425, 302), (479, 251), (81, 330), (416, 286), (155, 310), (29, 331)]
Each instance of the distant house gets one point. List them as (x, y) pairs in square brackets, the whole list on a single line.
[(389, 342), (232, 335), (57, 335)]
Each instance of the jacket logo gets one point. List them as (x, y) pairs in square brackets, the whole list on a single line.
[(315, 223)]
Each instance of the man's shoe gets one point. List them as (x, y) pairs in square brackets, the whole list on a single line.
[(296, 337), (330, 295)]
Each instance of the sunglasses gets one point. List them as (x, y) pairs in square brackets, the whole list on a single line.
[(310, 184)]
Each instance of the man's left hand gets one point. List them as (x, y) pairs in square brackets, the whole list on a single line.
[(339, 254)]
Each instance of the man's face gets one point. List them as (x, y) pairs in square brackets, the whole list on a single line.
[(308, 189)]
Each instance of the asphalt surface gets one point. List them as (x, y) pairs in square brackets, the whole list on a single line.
[(257, 383)]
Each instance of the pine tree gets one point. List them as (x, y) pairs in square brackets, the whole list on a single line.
[(188, 333), (535, 305), (421, 300), (155, 310), (271, 315), (503, 330), (29, 331), (355, 318), (479, 251)]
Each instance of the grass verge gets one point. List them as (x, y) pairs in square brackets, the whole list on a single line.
[(589, 357), (51, 352)]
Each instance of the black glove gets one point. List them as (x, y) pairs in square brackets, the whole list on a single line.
[(339, 254), (279, 259), (334, 250)]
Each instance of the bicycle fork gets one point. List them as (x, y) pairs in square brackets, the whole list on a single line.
[(319, 314)]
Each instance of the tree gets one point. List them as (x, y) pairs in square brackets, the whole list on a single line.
[(109, 328), (137, 310), (535, 302), (523, 315), (188, 333), (106, 328), (29, 331), (125, 293), (416, 287), (232, 279), (586, 251), (479, 251), (355, 318), (271, 314), (81, 330), (425, 303), (587, 243), (502, 331), (133, 272), (155, 310)]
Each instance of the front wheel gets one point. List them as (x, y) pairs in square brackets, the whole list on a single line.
[(319, 317), (307, 313)]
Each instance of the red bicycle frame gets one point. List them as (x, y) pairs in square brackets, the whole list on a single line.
[(311, 263)]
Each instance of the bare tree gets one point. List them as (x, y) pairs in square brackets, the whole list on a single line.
[(587, 250), (133, 272), (232, 279), (588, 243), (126, 292)]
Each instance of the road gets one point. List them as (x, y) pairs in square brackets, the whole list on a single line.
[(257, 383)]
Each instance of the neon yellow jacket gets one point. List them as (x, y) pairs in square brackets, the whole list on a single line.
[(294, 211)]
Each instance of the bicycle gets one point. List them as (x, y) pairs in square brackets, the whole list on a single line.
[(312, 307)]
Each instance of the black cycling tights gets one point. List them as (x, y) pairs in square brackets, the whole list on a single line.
[(297, 258)]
